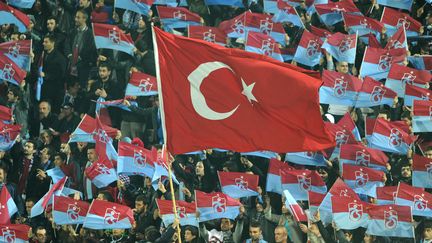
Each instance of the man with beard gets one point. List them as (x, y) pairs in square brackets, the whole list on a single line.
[(80, 48), (107, 88), (23, 164), (47, 119), (59, 36)]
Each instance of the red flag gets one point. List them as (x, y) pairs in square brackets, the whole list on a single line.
[(141, 84), (66, 210), (9, 15), (14, 233), (392, 18), (386, 195), (5, 113), (238, 185), (112, 37), (10, 71), (195, 116), (177, 13), (373, 42), (186, 212), (108, 215), (7, 206), (398, 40), (46, 200), (87, 128), (210, 34), (322, 33)]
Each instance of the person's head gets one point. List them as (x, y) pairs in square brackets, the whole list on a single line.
[(118, 232), (51, 24), (14, 94), (141, 23), (384, 114), (60, 159), (348, 235), (406, 170), (41, 234), (259, 207), (281, 234), (255, 231), (29, 203), (46, 136), (45, 154), (73, 87), (368, 238), (342, 67), (104, 71), (428, 152), (191, 233), (29, 148), (44, 109), (81, 18), (49, 43), (226, 224), (91, 154), (427, 230), (67, 109), (140, 204), (105, 196), (84, 3), (199, 168), (3, 172)]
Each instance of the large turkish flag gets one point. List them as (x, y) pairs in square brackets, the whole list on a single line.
[(214, 97)]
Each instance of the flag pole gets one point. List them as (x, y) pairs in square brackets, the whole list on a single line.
[(165, 154)]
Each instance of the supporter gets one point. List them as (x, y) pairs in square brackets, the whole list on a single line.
[(255, 233)]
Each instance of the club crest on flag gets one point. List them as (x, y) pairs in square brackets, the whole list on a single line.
[(362, 158), (384, 62), (341, 138), (403, 22), (73, 212), (114, 36), (390, 219), (408, 78), (377, 94), (338, 10), (361, 178), (181, 211), (102, 136), (266, 26), (340, 87), (145, 85), (179, 15), (395, 137), (8, 72), (312, 48), (209, 36), (241, 183), (111, 216), (267, 47), (238, 27), (355, 211), (345, 45), (5, 137), (218, 204), (139, 159), (344, 193), (420, 203), (8, 235), (364, 23), (102, 169), (14, 50), (304, 182)]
